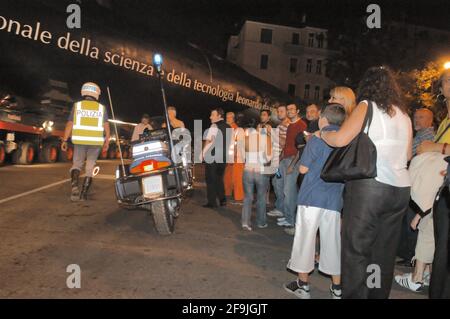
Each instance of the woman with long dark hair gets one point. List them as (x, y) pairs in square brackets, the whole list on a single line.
[(374, 208)]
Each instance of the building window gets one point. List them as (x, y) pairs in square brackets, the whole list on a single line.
[(320, 42), (293, 65), (317, 93), (319, 67), (264, 62), (311, 40), (295, 38), (308, 66), (306, 95), (266, 36), (291, 89)]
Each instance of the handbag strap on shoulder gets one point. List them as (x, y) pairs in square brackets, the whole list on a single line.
[(368, 118)]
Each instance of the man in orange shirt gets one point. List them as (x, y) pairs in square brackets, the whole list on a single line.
[(234, 172)]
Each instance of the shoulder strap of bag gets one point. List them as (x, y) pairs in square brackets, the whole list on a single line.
[(368, 118), (443, 133)]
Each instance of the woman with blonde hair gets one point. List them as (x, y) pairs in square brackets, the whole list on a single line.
[(344, 96)]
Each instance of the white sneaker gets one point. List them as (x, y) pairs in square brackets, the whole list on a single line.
[(284, 224), (246, 228), (335, 293), (281, 219), (406, 281), (275, 213), (263, 226), (301, 292)]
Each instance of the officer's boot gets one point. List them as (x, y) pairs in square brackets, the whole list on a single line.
[(86, 185), (75, 195)]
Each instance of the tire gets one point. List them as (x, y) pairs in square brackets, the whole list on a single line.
[(163, 220), (103, 155), (2, 154), (126, 155), (112, 153), (65, 157), (24, 155), (48, 154)]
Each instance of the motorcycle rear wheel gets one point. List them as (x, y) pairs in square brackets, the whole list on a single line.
[(163, 220)]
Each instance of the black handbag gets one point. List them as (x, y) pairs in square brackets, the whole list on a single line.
[(357, 160)]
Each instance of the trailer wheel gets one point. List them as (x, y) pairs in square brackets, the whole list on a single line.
[(67, 156), (163, 220), (104, 155), (112, 153), (2, 153), (24, 155), (48, 154), (124, 154)]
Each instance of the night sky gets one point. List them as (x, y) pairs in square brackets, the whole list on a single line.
[(207, 23), (211, 22)]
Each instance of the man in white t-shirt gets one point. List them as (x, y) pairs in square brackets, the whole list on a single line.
[(214, 153)]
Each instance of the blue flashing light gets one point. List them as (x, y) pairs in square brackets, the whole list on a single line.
[(158, 60)]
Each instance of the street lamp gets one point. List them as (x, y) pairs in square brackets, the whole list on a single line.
[(447, 65)]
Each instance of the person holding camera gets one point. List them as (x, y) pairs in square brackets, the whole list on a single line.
[(140, 128)]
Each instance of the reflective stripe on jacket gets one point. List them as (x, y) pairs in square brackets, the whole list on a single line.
[(88, 123)]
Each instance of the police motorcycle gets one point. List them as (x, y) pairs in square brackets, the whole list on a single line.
[(159, 177)]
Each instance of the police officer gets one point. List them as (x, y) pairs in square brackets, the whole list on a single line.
[(89, 130)]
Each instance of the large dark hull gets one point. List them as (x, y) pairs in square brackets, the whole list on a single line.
[(27, 64)]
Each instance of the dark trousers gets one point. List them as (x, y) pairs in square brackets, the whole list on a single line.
[(214, 182), (408, 237), (440, 281), (372, 219)]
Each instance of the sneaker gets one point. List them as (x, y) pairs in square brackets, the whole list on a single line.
[(284, 224), (405, 281), (275, 213), (335, 293), (246, 228), (301, 292), (263, 226), (281, 219), (290, 231)]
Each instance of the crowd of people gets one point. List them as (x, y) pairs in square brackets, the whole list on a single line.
[(347, 229)]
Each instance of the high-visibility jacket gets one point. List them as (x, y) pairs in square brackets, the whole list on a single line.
[(88, 123)]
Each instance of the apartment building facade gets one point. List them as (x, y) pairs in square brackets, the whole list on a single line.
[(292, 59)]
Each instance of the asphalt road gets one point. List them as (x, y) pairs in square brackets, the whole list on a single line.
[(121, 255)]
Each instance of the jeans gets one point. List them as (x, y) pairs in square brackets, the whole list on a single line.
[(254, 178), (373, 214), (277, 184), (88, 154), (290, 189)]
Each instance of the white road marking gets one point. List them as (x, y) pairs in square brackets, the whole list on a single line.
[(33, 191), (36, 190)]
